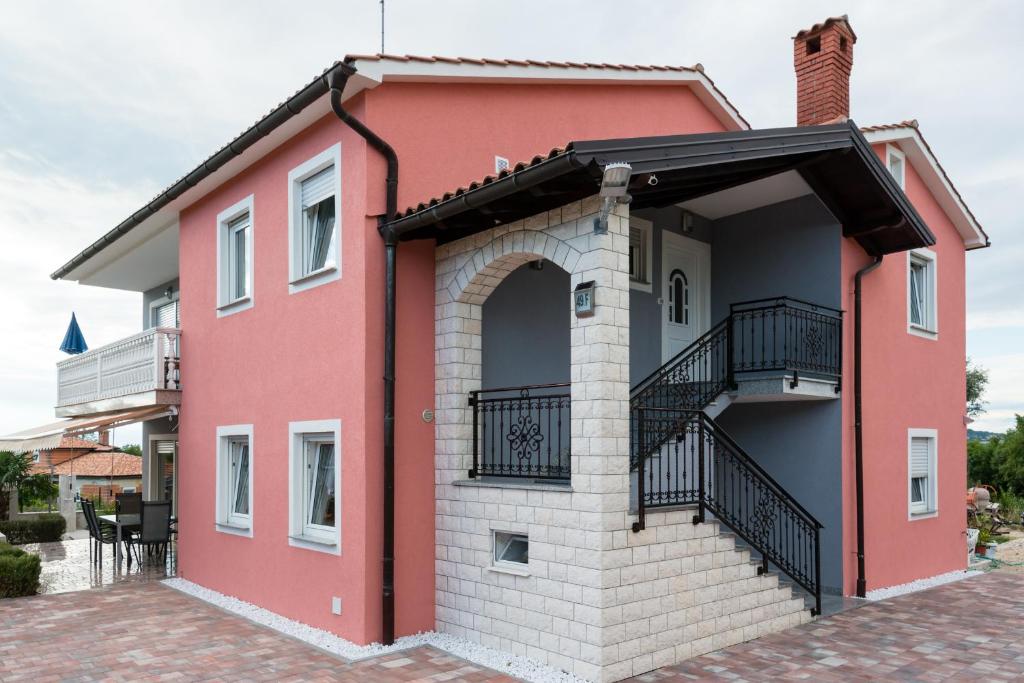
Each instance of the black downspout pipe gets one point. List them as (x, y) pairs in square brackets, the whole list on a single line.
[(337, 85), (858, 421)]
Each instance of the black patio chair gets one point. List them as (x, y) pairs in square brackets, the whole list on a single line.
[(154, 530), (128, 503), (100, 534)]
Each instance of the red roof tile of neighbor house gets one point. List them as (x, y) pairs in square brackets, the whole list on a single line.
[(77, 443), (94, 464)]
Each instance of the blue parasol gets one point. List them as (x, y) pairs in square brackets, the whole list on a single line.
[(74, 342)]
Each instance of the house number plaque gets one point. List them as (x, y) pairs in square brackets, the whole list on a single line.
[(583, 296)]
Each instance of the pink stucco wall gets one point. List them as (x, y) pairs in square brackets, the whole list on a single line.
[(318, 354), (909, 382)]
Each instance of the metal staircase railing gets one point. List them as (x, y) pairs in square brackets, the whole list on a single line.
[(682, 457)]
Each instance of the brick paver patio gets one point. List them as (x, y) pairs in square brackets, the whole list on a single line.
[(145, 631)]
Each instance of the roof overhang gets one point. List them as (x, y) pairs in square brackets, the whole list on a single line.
[(835, 161), (910, 141), (48, 436), (144, 261)]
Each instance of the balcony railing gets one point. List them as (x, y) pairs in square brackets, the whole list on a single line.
[(521, 432), (143, 362)]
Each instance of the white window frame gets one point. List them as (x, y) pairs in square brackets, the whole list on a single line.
[(297, 280), (226, 305), (228, 521), (301, 534), (646, 227), (929, 259), (892, 152), (930, 507)]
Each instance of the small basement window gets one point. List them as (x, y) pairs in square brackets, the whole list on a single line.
[(511, 549)]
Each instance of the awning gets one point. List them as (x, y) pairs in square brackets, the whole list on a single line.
[(48, 436), (836, 161)]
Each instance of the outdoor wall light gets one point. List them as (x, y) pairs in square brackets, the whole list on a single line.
[(614, 184)]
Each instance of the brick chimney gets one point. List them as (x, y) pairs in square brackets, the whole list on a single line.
[(104, 437), (823, 59)]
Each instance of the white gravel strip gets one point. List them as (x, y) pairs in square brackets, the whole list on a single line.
[(513, 665), (920, 584)]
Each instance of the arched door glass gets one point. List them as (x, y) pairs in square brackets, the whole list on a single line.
[(678, 298)]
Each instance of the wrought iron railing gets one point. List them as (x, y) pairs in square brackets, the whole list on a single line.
[(521, 432), (701, 465), (789, 335), (680, 456), (145, 361)]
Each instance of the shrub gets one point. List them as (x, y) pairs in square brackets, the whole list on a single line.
[(19, 572), (41, 529)]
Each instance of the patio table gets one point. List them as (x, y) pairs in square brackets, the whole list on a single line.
[(123, 523)]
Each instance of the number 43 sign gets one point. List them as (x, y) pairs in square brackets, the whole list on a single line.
[(583, 296)]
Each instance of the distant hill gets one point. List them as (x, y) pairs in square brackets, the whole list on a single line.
[(976, 435)]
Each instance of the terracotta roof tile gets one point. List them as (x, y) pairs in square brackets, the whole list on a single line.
[(817, 28), (95, 464)]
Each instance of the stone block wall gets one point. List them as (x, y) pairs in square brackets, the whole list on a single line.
[(596, 599)]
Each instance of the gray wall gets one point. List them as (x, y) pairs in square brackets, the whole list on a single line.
[(644, 310), (786, 249), (526, 329), (155, 294), (163, 425), (798, 444)]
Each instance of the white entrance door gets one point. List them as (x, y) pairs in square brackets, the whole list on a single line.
[(686, 292)]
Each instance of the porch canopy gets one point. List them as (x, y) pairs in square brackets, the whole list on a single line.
[(48, 436), (835, 161)]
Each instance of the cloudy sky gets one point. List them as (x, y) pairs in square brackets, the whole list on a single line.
[(103, 104)]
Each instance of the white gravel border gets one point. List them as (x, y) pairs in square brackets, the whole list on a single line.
[(921, 584), (521, 667)]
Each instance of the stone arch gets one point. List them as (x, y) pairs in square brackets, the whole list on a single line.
[(491, 263)]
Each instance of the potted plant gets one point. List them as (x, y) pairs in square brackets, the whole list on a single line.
[(986, 546)]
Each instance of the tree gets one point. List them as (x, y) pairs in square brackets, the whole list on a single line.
[(999, 461), (15, 475), (133, 448), (977, 380)]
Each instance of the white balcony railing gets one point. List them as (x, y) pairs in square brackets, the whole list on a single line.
[(147, 361)]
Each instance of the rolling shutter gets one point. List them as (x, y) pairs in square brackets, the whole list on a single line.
[(318, 187), (166, 315), (920, 456)]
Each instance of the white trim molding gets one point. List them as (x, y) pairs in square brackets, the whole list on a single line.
[(300, 535), (226, 304), (893, 152), (930, 507), (929, 261), (298, 280), (227, 520)]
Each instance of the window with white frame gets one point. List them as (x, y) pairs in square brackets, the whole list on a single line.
[(922, 461), (234, 258), (234, 479), (896, 162), (511, 549), (640, 249), (922, 276), (314, 220), (315, 485)]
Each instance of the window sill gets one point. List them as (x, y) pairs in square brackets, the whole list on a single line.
[(314, 279), (512, 571), (928, 514), (234, 529), (316, 543), (641, 286), (239, 304), (511, 483), (923, 332)]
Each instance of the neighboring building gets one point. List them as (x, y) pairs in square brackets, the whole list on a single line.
[(68, 448), (97, 469), (542, 491)]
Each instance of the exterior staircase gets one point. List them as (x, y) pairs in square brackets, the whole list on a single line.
[(682, 457)]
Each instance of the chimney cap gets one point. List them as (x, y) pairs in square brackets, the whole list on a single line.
[(818, 28)]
